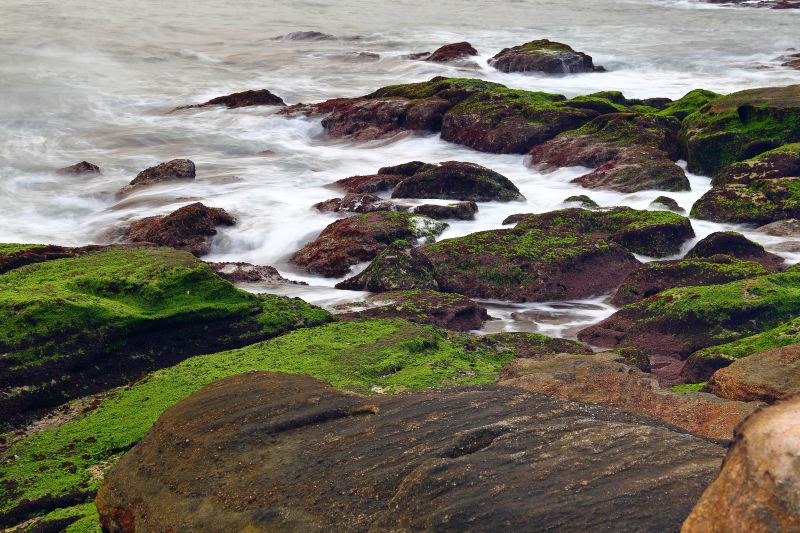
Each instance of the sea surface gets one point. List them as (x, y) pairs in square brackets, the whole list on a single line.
[(96, 81)]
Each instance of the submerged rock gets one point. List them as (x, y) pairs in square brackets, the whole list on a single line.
[(84, 167), (370, 184), (736, 245), (452, 52), (665, 202), (358, 203), (603, 379), (248, 273), (766, 376), (445, 310), (459, 211), (581, 199), (188, 228), (176, 169), (354, 240), (545, 56), (241, 99), (484, 455), (758, 486), (398, 267), (454, 180)]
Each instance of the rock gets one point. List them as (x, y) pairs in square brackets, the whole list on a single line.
[(766, 376), (452, 52), (782, 228), (479, 456), (405, 169), (369, 184), (459, 211), (665, 202), (603, 380), (84, 167), (740, 126), (782, 162), (188, 228), (581, 199), (17, 255), (305, 36), (629, 152), (108, 316), (692, 101), (354, 240), (565, 254), (450, 311), (735, 245), (241, 99), (533, 345), (761, 202), (454, 180), (356, 203), (543, 56), (652, 278), (249, 273), (398, 267), (758, 486), (177, 169)]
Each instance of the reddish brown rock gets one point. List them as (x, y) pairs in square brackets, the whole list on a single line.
[(544, 56), (758, 488), (84, 167), (459, 211), (456, 180), (278, 452), (241, 99), (38, 253), (358, 203), (533, 345), (452, 52), (368, 184), (783, 162), (176, 169), (605, 380), (248, 273), (766, 376), (445, 310), (736, 245), (189, 228), (354, 240)]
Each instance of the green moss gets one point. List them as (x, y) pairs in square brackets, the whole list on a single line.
[(543, 45), (758, 202), (688, 104), (690, 387), (7, 248), (82, 518), (783, 335), (394, 355), (456, 87)]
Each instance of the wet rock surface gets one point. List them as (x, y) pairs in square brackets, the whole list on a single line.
[(450, 311), (361, 238), (241, 99), (665, 202), (758, 486), (458, 211), (738, 246), (764, 376), (452, 52), (544, 56), (84, 167), (358, 203), (398, 267), (248, 273), (279, 451), (39, 253), (454, 180), (176, 169), (605, 379), (189, 228)]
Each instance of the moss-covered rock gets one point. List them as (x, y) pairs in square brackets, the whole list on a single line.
[(13, 255), (454, 180), (361, 238), (736, 245), (458, 211), (741, 125), (657, 276), (571, 253), (445, 310), (629, 152), (544, 56), (688, 104), (665, 202), (532, 345), (66, 463), (581, 200), (782, 162), (759, 202), (398, 267), (74, 326)]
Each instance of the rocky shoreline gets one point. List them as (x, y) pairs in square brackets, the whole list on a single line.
[(124, 366)]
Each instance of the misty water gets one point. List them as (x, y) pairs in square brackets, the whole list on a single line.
[(95, 81)]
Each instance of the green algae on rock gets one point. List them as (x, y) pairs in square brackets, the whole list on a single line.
[(543, 55), (368, 355), (398, 267), (73, 326)]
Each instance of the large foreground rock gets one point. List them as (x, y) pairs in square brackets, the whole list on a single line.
[(276, 452), (544, 56), (189, 228), (765, 376), (758, 488)]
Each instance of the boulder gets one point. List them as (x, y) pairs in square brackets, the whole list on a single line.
[(248, 273), (188, 228), (735, 245), (766, 376), (84, 167), (544, 56), (358, 203), (241, 99), (532, 345), (629, 152), (458, 211), (444, 310), (758, 486), (603, 379), (277, 452), (740, 126), (176, 169), (565, 254), (581, 199), (369, 184), (782, 162), (652, 278), (452, 52), (454, 180), (665, 202), (782, 228), (354, 240), (398, 267)]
